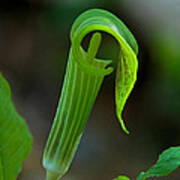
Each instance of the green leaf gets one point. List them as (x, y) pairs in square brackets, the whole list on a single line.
[(122, 178), (15, 139), (168, 161)]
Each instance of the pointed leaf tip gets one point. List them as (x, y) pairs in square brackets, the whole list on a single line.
[(123, 126)]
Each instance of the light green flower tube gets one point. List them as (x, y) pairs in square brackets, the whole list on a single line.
[(78, 95), (83, 79)]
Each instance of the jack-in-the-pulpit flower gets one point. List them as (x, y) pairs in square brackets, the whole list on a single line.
[(83, 79)]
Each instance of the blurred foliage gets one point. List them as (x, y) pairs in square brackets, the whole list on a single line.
[(166, 54), (64, 12)]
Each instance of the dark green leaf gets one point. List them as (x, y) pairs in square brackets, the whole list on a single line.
[(168, 161)]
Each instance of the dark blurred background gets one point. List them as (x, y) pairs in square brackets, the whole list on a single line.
[(34, 47)]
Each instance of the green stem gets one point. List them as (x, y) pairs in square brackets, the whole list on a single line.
[(53, 176)]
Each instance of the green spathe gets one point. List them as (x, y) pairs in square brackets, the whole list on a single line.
[(82, 82), (126, 73)]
